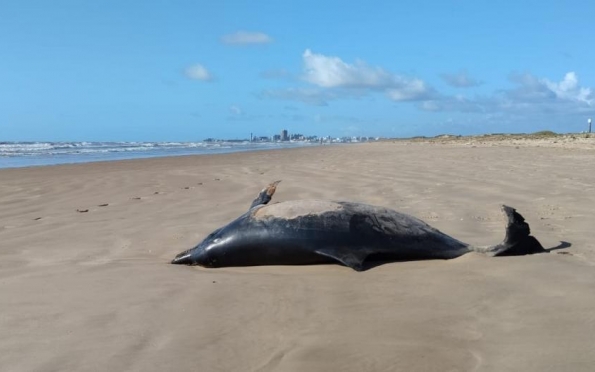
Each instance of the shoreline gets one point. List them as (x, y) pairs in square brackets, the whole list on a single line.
[(156, 160), (78, 157), (569, 141)]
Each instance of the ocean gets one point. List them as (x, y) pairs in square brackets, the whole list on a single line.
[(27, 154)]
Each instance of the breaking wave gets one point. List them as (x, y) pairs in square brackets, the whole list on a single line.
[(23, 154)]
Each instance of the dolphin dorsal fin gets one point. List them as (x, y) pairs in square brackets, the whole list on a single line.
[(265, 195), (353, 259)]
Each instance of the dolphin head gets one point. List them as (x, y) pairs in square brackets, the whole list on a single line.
[(200, 254), (207, 253)]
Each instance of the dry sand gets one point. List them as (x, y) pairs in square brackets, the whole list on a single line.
[(93, 291)]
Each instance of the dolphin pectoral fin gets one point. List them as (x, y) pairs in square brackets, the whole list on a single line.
[(265, 195), (355, 260)]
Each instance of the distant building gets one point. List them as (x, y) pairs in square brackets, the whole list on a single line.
[(284, 136), (277, 137)]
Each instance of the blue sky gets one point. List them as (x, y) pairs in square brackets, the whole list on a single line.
[(136, 70)]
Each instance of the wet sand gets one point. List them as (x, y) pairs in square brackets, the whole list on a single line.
[(85, 283)]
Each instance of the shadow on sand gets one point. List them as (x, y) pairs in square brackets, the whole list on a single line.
[(379, 260)]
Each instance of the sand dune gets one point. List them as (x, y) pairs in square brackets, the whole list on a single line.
[(92, 290)]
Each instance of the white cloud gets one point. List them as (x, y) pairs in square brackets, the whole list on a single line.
[(335, 79), (332, 72), (460, 80), (530, 99), (532, 96), (246, 37), (532, 91), (198, 72), (529, 89), (410, 90), (569, 89)]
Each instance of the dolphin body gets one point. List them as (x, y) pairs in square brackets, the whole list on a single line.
[(305, 232)]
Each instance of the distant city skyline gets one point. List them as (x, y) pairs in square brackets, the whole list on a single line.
[(186, 71)]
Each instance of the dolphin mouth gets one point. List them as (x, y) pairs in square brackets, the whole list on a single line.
[(184, 258)]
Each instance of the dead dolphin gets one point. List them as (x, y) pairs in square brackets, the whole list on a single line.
[(304, 232)]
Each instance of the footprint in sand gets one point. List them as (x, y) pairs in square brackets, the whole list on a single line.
[(80, 210)]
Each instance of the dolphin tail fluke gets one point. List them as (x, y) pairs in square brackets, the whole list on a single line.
[(518, 240)]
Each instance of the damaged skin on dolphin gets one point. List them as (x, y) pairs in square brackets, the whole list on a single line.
[(302, 232)]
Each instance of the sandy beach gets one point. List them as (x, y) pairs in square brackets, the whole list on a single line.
[(86, 284)]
